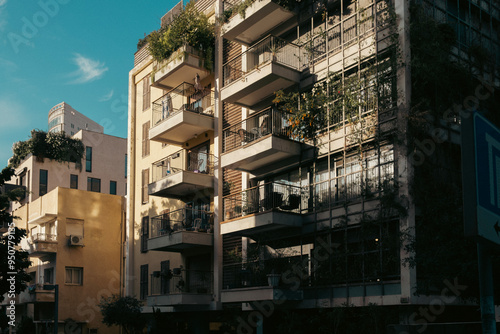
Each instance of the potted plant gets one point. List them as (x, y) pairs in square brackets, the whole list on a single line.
[(273, 279)]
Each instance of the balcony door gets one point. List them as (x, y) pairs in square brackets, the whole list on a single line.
[(198, 158)]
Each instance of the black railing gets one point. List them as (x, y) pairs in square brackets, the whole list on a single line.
[(269, 121), (184, 97), (179, 281), (185, 219), (269, 49), (273, 195), (44, 237), (183, 160), (263, 272)]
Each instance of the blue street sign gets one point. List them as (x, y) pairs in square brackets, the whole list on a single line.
[(487, 166)]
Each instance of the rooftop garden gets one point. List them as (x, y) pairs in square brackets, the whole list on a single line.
[(191, 28), (55, 146)]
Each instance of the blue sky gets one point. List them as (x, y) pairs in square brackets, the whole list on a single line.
[(75, 51)]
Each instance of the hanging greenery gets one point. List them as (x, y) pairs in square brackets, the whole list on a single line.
[(191, 28), (55, 146)]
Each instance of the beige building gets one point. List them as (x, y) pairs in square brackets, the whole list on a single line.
[(171, 182), (62, 117), (103, 168), (74, 241)]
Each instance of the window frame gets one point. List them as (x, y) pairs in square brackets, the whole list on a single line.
[(43, 186), (73, 181), (88, 159), (90, 184), (73, 269)]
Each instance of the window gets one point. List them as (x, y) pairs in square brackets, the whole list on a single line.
[(73, 181), (44, 178), (145, 180), (145, 139), (72, 125), (88, 159), (94, 184), (48, 276), (112, 187), (74, 275), (126, 160), (144, 234), (144, 282), (146, 90), (165, 277)]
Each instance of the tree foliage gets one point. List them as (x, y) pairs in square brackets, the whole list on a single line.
[(12, 259), (55, 146), (190, 27), (123, 311)]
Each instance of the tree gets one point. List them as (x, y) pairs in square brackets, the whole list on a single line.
[(123, 311), (13, 261)]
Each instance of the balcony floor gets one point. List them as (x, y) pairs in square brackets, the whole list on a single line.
[(180, 299), (260, 153), (259, 83), (263, 222), (181, 184), (242, 295), (181, 240), (260, 18), (181, 127)]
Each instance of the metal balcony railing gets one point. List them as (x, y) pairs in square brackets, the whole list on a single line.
[(272, 195), (183, 160), (179, 281), (44, 237), (269, 49), (185, 219), (184, 97), (269, 121)]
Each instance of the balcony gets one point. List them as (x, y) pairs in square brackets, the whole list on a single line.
[(42, 244), (260, 18), (182, 173), (180, 287), (263, 209), (262, 280), (181, 114), (270, 65), (37, 294), (260, 142), (181, 66), (180, 230)]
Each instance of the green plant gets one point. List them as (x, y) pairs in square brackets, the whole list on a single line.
[(55, 146), (191, 28), (123, 311)]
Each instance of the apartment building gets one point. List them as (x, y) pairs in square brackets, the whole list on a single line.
[(63, 117), (103, 168), (75, 242), (74, 214), (170, 208), (311, 214)]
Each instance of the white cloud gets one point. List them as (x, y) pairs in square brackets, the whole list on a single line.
[(3, 15), (107, 97), (88, 69), (3, 3)]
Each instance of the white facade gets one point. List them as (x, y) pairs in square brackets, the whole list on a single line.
[(62, 117)]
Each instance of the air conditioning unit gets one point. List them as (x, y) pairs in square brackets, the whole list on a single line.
[(76, 240)]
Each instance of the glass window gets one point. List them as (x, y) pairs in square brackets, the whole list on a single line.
[(144, 234), (145, 180), (73, 181), (88, 159), (144, 282), (74, 275), (94, 184), (44, 176), (112, 187)]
